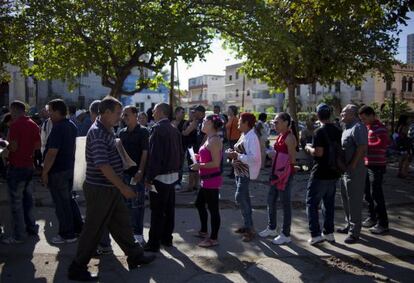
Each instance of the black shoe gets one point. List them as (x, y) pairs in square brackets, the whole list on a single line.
[(369, 222), (78, 273), (150, 248), (351, 239), (343, 230), (141, 260), (166, 243), (33, 231)]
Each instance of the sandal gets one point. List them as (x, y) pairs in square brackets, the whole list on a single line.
[(200, 234), (240, 230), (207, 243)]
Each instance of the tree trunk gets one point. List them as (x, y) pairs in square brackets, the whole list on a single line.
[(292, 102)]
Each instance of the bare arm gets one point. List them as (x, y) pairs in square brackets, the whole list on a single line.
[(49, 159), (291, 145), (190, 128), (112, 177), (314, 151), (358, 155)]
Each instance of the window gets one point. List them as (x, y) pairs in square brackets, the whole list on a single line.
[(140, 106), (248, 92), (298, 91), (338, 86), (388, 85), (237, 75), (404, 84), (358, 87), (410, 84), (237, 93), (230, 77), (313, 88)]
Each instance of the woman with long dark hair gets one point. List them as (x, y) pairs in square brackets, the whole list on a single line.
[(286, 143), (208, 164)]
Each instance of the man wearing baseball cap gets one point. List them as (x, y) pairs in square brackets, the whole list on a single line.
[(323, 179)]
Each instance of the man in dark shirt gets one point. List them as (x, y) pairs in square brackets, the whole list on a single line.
[(57, 172), (179, 123), (165, 154), (24, 139), (135, 140), (104, 192), (323, 180)]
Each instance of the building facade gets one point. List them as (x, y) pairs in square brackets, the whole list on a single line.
[(207, 90)]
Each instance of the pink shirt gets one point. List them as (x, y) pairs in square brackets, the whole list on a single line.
[(210, 183)]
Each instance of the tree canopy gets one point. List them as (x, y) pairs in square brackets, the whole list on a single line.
[(67, 38), (287, 43)]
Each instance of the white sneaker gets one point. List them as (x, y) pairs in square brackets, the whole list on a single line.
[(281, 239), (139, 239), (59, 240), (268, 233), (316, 240), (329, 237)]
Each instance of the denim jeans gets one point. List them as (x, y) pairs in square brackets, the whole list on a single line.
[(66, 208), (19, 181), (285, 197), (243, 200), (136, 206), (374, 195), (317, 191)]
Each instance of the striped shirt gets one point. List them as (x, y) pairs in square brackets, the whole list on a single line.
[(101, 150), (377, 144)]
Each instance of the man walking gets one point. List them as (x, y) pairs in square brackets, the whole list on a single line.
[(57, 172), (323, 179), (24, 139), (165, 154), (104, 189), (376, 163), (354, 142)]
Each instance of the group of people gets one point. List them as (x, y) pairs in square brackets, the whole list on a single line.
[(115, 192)]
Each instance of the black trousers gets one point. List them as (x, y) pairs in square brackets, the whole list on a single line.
[(105, 208), (374, 195), (209, 197), (162, 206)]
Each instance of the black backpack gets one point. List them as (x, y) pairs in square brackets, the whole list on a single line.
[(336, 155)]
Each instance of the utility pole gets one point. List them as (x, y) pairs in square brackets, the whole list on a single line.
[(244, 86), (172, 85)]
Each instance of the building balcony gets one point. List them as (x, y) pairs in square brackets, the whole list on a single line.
[(409, 95)]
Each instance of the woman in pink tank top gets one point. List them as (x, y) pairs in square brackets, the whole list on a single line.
[(209, 166)]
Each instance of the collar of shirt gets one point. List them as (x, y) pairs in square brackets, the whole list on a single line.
[(102, 127), (162, 120)]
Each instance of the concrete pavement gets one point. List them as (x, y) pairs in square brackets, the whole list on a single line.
[(376, 258)]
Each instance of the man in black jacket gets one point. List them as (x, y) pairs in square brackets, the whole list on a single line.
[(163, 166)]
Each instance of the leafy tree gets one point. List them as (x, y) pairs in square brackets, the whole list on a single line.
[(67, 38), (334, 102), (288, 43), (384, 111)]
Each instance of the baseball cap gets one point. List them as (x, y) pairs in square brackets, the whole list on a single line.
[(323, 108)]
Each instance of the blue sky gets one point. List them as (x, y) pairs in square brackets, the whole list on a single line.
[(218, 59)]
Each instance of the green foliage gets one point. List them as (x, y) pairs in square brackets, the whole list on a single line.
[(334, 102), (384, 111), (68, 38), (306, 116), (287, 43)]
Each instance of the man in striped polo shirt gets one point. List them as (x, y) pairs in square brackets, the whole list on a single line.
[(376, 162), (104, 192)]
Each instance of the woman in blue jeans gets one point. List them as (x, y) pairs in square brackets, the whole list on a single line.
[(286, 143), (246, 160)]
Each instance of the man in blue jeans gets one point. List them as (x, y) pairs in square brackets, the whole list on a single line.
[(57, 172), (323, 179), (24, 139)]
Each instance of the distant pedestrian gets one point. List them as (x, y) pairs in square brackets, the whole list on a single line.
[(404, 146), (179, 122), (143, 119), (24, 139), (354, 142), (323, 178), (246, 160), (209, 160), (376, 162), (162, 173), (285, 147), (262, 131), (57, 172), (104, 192), (232, 131)]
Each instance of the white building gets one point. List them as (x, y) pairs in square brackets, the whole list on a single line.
[(247, 93), (373, 89), (207, 90)]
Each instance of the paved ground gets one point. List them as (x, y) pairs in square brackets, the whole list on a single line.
[(376, 258)]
